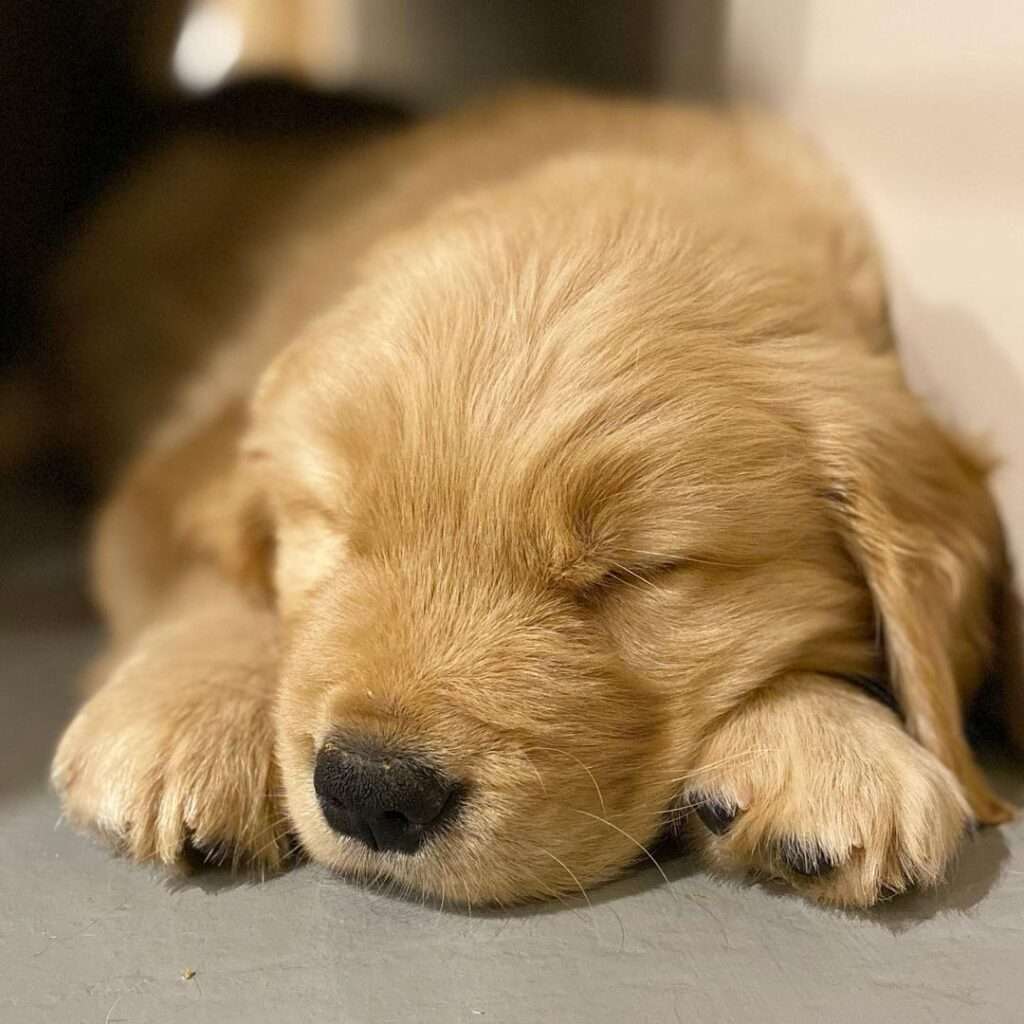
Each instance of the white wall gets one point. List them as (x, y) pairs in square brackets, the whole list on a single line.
[(923, 103)]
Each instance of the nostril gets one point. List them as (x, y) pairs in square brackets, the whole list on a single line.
[(387, 800)]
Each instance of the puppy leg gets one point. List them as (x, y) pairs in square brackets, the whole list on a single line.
[(816, 783), (176, 746)]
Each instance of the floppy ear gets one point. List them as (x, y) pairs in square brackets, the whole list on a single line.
[(262, 505), (266, 511), (912, 506), (226, 517)]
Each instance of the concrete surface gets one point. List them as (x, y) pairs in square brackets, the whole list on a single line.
[(85, 937)]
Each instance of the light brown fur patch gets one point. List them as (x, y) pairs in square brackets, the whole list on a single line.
[(562, 441)]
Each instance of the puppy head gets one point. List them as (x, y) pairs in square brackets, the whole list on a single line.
[(541, 516)]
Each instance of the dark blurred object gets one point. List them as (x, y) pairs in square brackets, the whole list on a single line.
[(70, 113), (85, 89)]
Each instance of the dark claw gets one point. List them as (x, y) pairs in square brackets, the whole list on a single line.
[(716, 814), (197, 857), (810, 860)]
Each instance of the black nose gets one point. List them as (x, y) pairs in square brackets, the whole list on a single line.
[(388, 800)]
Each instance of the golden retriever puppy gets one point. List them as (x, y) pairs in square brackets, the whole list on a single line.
[(548, 483)]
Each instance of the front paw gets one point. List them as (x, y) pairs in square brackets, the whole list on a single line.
[(823, 789), (175, 765)]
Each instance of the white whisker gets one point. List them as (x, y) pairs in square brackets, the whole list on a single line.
[(704, 769), (636, 842), (593, 779)]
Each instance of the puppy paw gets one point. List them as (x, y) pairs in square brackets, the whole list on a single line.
[(174, 759), (819, 785)]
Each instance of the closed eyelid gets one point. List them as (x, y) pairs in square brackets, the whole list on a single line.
[(645, 570), (637, 576)]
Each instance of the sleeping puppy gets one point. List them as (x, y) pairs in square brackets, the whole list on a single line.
[(544, 481)]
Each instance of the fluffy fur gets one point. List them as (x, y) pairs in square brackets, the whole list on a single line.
[(561, 440)]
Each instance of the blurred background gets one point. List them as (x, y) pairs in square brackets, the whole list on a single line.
[(921, 102)]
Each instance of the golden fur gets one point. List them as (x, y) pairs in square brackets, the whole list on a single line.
[(562, 440)]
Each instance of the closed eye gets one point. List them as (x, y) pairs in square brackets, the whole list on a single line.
[(642, 572), (642, 576)]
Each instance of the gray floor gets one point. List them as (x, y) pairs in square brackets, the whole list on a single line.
[(86, 937)]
